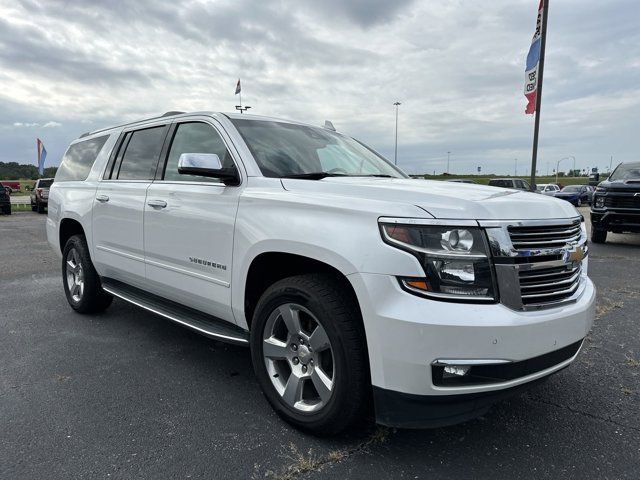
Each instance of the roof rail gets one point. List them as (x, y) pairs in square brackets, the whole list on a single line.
[(85, 134), (171, 113)]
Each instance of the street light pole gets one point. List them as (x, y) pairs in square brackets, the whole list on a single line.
[(573, 171), (448, 158), (515, 170), (395, 153), (558, 166)]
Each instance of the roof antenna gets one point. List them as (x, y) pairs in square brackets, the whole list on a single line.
[(329, 126)]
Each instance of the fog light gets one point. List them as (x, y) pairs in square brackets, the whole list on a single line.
[(599, 202), (457, 370)]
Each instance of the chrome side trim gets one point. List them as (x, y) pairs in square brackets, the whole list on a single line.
[(199, 276), (209, 333), (119, 252)]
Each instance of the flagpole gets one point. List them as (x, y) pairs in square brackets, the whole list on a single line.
[(536, 129)]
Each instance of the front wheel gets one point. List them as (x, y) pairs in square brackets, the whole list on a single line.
[(309, 353), (82, 285), (579, 202)]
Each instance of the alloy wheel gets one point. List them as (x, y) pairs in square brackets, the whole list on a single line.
[(75, 275), (298, 357)]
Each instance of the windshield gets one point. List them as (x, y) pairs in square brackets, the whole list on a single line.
[(286, 149), (572, 188), (626, 171), (540, 188)]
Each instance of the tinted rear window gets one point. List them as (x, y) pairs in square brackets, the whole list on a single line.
[(77, 162), (142, 154), (47, 183)]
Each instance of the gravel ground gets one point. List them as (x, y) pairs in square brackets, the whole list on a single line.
[(126, 394)]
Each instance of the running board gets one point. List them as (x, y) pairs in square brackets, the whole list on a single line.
[(201, 322)]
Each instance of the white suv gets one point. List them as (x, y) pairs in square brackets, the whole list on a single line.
[(357, 289)]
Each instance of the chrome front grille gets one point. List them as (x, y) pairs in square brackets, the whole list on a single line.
[(549, 284), (538, 263), (544, 236)]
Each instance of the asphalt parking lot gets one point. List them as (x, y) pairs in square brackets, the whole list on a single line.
[(126, 394)]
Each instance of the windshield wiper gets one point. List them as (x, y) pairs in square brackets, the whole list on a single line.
[(314, 175), (379, 175)]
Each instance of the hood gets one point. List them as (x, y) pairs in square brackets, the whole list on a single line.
[(567, 194), (622, 185), (441, 199)]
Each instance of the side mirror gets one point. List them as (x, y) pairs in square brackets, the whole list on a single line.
[(207, 165)]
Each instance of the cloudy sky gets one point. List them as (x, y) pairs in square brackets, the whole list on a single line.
[(457, 66)]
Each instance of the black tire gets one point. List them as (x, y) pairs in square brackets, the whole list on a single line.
[(598, 236), (579, 202), (7, 210), (33, 207), (339, 315), (39, 207), (93, 298)]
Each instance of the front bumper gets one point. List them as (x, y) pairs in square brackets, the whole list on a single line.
[(619, 220), (406, 334)]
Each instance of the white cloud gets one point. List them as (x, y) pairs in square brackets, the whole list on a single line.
[(457, 66), (52, 125)]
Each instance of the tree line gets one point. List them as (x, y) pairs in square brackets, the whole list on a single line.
[(16, 171)]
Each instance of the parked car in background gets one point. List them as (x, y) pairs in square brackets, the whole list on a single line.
[(461, 180), (12, 186), (40, 194), (577, 195), (547, 189), (5, 200), (515, 183), (616, 203)]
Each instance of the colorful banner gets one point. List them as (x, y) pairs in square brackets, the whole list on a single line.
[(531, 70), (42, 155)]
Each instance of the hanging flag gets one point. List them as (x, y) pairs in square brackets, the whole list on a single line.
[(238, 89), (533, 60), (42, 155)]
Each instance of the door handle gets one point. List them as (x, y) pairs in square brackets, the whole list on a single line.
[(102, 198), (157, 203)]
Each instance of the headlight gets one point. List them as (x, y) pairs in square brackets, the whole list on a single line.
[(455, 260), (599, 202)]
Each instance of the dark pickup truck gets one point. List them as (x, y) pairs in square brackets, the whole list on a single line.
[(616, 203)]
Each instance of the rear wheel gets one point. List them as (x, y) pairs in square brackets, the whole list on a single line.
[(82, 285), (579, 202), (33, 207), (39, 207), (598, 236), (309, 353)]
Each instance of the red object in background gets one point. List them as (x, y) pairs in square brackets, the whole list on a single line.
[(12, 185)]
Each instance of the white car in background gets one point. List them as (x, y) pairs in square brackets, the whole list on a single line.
[(356, 288), (549, 189)]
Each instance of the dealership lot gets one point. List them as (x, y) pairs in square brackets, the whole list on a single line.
[(127, 394)]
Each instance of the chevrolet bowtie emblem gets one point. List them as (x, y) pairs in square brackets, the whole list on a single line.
[(574, 255)]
